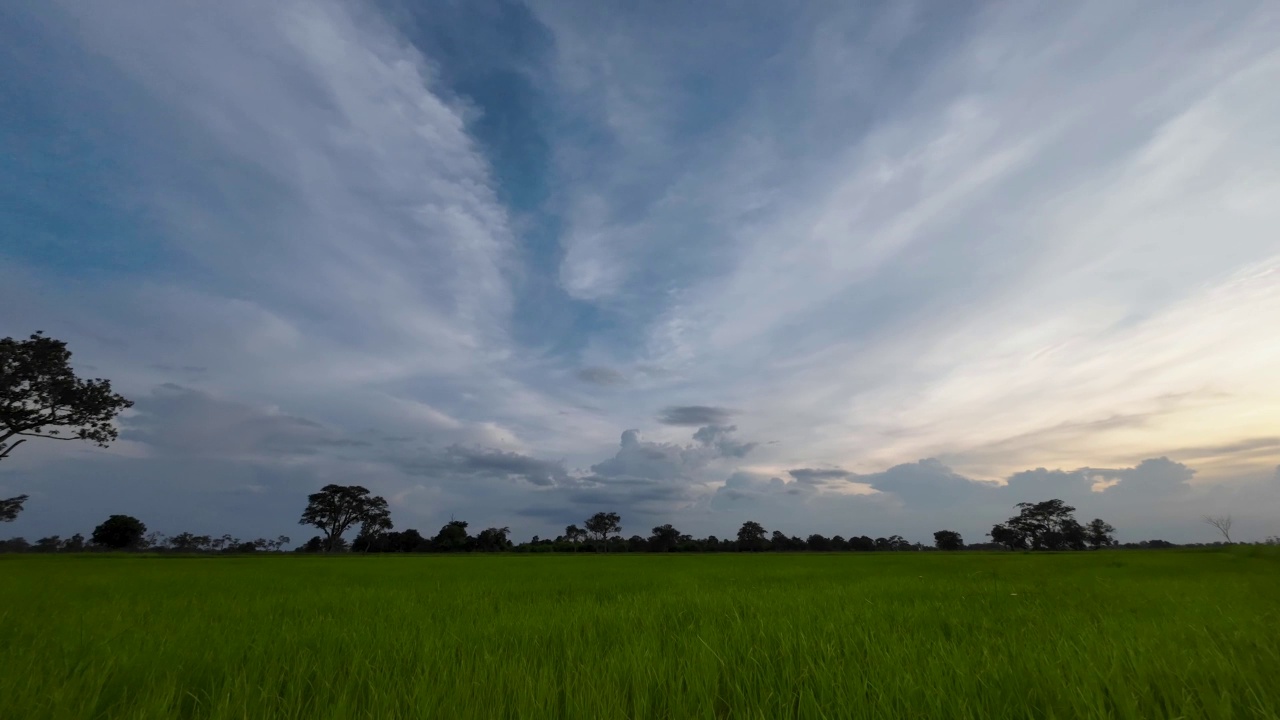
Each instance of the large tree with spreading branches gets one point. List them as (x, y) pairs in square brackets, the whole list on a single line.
[(41, 397)]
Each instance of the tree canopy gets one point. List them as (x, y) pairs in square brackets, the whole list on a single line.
[(119, 532), (1049, 525), (10, 507), (336, 508), (41, 396), (603, 524)]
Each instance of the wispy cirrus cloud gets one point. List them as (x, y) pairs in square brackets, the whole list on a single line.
[(919, 249)]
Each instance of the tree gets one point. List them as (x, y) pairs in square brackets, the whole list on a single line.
[(119, 532), (897, 542), (751, 536), (371, 529), (1099, 534), (1048, 525), (575, 534), (604, 524), (1010, 538), (41, 397), (948, 540), (183, 542), (1222, 523), (75, 543), (493, 539), (665, 538), (337, 507), (10, 508), (452, 537), (862, 543), (818, 542)]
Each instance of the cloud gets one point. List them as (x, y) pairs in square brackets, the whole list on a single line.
[(601, 376), (694, 415), (533, 470), (718, 436), (815, 476), (879, 234), (180, 421)]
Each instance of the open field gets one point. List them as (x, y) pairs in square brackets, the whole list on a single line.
[(886, 635)]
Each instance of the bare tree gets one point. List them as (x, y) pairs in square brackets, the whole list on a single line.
[(1222, 523)]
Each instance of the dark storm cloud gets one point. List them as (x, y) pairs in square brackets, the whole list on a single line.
[(694, 415), (601, 376), (509, 464)]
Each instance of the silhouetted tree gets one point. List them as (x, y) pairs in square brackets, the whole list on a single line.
[(948, 540), (9, 508), (575, 534), (818, 543), (371, 531), (1222, 523), (75, 543), (183, 542), (1099, 534), (154, 540), (452, 537), (493, 539), (337, 507), (41, 397), (604, 524), (751, 536), (1010, 538), (1048, 525), (53, 543), (862, 543), (119, 532), (665, 538)]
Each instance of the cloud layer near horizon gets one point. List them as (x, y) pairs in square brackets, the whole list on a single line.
[(848, 269)]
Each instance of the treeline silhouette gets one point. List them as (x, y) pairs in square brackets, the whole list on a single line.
[(336, 509)]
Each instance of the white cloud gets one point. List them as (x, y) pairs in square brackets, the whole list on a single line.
[(1003, 239)]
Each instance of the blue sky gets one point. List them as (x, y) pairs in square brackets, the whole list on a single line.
[(863, 269)]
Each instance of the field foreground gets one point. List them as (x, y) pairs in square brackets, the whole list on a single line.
[(883, 635)]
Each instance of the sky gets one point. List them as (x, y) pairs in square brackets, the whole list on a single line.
[(845, 268)]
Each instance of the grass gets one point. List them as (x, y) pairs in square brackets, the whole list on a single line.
[(876, 635)]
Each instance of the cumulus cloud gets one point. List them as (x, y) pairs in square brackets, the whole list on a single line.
[(638, 458), (719, 437)]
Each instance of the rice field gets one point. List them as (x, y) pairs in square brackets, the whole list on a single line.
[(877, 635)]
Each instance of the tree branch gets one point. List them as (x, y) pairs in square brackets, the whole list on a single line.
[(9, 449), (46, 437)]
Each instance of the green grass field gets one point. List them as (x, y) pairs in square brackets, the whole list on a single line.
[(884, 635)]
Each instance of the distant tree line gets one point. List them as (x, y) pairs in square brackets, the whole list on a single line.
[(1049, 525), (41, 397)]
